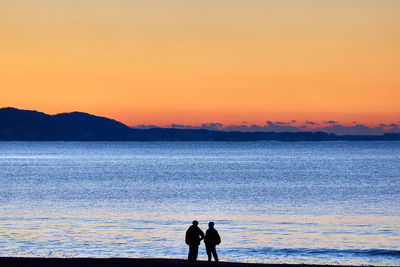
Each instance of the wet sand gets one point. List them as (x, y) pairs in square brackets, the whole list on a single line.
[(122, 262)]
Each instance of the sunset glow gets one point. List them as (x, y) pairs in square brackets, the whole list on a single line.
[(191, 62)]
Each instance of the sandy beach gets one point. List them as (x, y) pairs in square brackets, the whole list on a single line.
[(111, 262)]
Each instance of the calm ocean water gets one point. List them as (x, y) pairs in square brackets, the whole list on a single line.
[(273, 202)]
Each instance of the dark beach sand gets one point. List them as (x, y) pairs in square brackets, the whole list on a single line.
[(114, 262)]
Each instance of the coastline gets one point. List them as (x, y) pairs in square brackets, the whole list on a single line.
[(122, 262)]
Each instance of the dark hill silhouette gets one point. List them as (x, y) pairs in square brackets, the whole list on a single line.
[(16, 124), (28, 125)]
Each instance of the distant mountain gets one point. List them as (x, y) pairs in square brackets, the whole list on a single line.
[(16, 124), (28, 125)]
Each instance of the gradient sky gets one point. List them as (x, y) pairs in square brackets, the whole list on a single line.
[(162, 62)]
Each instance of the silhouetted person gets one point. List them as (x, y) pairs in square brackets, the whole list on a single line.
[(211, 240), (193, 237)]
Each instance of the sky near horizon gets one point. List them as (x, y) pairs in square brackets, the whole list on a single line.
[(191, 62)]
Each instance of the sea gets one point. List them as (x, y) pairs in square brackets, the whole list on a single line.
[(271, 202)]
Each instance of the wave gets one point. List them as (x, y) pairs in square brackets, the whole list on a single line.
[(327, 252)]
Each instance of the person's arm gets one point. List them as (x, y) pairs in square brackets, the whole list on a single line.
[(201, 233), (218, 238), (187, 237)]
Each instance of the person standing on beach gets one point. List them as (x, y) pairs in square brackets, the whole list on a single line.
[(212, 239), (193, 237)]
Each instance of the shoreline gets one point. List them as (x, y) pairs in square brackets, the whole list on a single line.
[(122, 262)]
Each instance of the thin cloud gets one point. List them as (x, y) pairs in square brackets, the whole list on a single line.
[(174, 125), (358, 129), (331, 127), (270, 127), (144, 126), (394, 130), (311, 123), (331, 122), (211, 126), (279, 123)]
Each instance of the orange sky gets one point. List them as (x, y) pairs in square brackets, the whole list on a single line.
[(190, 62)]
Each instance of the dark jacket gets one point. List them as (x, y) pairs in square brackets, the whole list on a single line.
[(194, 235), (212, 238)]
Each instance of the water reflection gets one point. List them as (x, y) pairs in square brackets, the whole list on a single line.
[(138, 236), (271, 202)]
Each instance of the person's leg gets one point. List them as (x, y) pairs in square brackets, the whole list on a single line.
[(214, 252), (208, 250), (195, 252), (190, 253)]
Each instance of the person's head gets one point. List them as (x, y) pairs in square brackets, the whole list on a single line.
[(211, 225), (195, 223)]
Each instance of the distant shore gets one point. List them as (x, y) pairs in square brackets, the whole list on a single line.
[(121, 262), (29, 125)]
